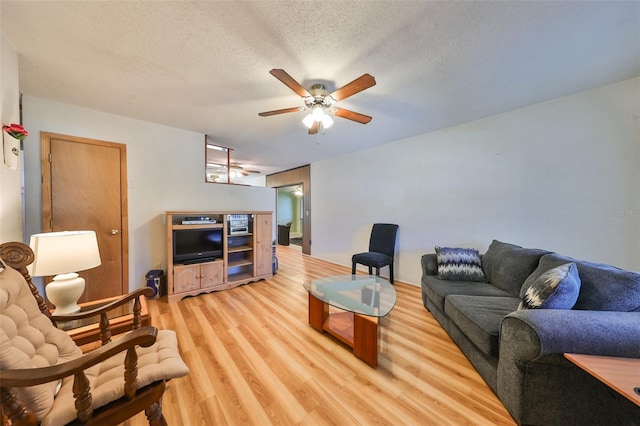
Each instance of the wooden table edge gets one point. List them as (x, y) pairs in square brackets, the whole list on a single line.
[(593, 364)]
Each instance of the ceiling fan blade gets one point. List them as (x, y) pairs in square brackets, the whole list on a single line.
[(212, 164), (239, 167), (354, 116), (313, 129), (279, 111), (358, 85), (289, 82)]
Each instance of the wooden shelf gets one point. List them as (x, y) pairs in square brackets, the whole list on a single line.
[(199, 226), (241, 262), (340, 326), (240, 277), (239, 249)]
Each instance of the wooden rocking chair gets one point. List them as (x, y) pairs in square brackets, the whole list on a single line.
[(44, 377)]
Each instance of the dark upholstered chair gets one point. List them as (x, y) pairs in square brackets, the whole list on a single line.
[(283, 234), (382, 247)]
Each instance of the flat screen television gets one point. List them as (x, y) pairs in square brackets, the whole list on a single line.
[(196, 245)]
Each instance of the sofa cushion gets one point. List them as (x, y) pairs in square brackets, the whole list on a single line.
[(506, 266), (479, 318), (437, 290), (460, 264), (557, 288), (602, 287)]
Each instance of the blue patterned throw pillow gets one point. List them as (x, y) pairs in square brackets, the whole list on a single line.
[(459, 264), (558, 288)]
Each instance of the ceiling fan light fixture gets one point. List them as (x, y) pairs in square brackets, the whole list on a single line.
[(327, 121), (308, 120), (321, 102), (317, 113)]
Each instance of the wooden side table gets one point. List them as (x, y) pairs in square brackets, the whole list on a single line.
[(87, 331), (620, 374)]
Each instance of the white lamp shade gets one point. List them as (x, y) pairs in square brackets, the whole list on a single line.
[(308, 120), (317, 113), (64, 252), (327, 121)]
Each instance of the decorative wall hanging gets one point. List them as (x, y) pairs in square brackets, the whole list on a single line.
[(13, 134)]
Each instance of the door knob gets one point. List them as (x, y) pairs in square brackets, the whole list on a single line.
[(114, 232)]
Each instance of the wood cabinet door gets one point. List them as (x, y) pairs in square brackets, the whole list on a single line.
[(210, 274), (185, 278), (263, 244)]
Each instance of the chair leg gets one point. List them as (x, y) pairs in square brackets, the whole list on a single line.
[(353, 268), (377, 271), (370, 271), (391, 272), (154, 414)]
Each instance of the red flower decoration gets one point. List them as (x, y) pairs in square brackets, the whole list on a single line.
[(16, 130)]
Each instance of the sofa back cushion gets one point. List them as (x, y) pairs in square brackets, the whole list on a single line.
[(602, 287), (506, 266)]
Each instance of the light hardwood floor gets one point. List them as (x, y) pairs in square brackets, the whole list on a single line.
[(254, 360)]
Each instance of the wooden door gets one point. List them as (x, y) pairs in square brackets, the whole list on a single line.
[(84, 188), (264, 241)]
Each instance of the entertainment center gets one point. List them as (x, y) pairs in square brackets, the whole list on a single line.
[(211, 251)]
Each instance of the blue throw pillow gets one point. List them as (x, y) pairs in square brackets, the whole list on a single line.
[(459, 264), (557, 288)]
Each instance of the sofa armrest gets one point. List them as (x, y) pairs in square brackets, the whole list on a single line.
[(531, 365), (429, 264), (539, 332)]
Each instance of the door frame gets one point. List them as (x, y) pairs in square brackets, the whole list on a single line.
[(297, 176), (47, 220)]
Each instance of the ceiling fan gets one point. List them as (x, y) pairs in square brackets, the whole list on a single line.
[(321, 102)]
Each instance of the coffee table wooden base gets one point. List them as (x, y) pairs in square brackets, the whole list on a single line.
[(359, 332)]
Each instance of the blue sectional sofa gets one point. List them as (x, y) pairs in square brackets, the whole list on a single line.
[(519, 353)]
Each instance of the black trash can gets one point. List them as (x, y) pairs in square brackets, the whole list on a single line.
[(156, 280)]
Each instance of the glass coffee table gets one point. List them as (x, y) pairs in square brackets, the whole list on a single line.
[(362, 300)]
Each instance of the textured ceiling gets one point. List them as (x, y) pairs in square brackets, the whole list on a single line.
[(204, 66)]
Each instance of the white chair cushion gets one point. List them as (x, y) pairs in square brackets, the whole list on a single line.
[(161, 361), (28, 339)]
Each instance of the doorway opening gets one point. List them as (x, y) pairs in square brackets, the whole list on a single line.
[(300, 176), (290, 214)]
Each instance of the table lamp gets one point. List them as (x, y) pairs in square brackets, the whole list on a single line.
[(63, 254)]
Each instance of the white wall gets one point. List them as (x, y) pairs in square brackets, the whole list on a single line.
[(10, 180), (286, 207), (563, 175), (165, 171)]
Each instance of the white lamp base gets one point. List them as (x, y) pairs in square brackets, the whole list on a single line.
[(64, 292)]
